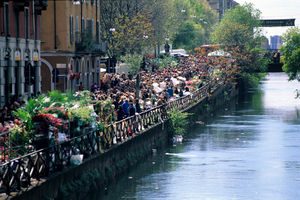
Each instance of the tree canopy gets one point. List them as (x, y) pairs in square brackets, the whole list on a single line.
[(239, 26), (239, 31), (186, 22), (291, 53), (194, 22)]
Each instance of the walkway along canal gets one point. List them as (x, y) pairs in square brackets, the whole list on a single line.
[(249, 151), (48, 174)]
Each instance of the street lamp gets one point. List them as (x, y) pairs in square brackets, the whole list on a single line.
[(167, 46), (111, 61)]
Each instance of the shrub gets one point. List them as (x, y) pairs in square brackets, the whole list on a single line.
[(178, 121)]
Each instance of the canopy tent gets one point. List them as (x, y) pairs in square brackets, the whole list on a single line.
[(219, 53)]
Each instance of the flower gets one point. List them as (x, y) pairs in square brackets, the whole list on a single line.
[(77, 76), (49, 119), (46, 100)]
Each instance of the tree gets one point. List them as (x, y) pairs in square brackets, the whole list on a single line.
[(131, 35), (239, 32), (157, 12), (134, 61), (193, 21), (291, 53)]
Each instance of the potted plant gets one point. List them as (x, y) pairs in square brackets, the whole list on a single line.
[(43, 122)]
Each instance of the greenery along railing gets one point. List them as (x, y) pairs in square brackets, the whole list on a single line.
[(27, 170)]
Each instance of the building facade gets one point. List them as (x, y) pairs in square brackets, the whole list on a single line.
[(71, 49), (20, 22), (220, 6)]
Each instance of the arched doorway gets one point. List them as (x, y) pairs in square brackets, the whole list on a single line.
[(46, 74), (87, 74)]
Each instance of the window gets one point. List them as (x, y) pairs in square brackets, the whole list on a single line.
[(71, 30), (82, 25), (6, 19), (88, 74), (26, 23), (93, 29), (93, 2), (17, 24), (77, 29), (97, 31), (89, 27)]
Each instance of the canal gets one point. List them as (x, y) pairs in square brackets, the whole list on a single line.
[(250, 152)]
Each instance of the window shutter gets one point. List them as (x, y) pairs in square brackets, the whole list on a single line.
[(82, 25), (93, 29), (71, 30), (26, 23), (97, 31), (77, 29)]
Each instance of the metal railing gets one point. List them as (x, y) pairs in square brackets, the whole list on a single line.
[(26, 170)]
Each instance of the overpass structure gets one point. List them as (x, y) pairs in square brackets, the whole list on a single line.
[(277, 22)]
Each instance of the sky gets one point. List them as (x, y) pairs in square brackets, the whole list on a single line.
[(276, 9)]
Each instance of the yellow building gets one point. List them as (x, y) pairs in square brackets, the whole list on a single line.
[(71, 48)]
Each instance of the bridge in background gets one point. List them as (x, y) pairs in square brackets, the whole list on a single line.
[(277, 22)]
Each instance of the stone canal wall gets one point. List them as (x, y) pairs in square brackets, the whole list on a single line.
[(95, 173)]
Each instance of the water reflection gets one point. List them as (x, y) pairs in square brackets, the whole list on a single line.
[(248, 153)]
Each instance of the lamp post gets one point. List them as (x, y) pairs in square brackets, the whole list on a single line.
[(167, 46), (111, 60)]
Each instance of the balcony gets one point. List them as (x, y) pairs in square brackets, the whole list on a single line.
[(99, 48), (20, 4), (90, 48), (40, 5)]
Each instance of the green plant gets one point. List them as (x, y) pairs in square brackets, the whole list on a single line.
[(31, 108), (134, 61), (164, 62), (291, 53), (57, 98), (83, 114), (106, 111), (178, 121), (82, 98), (20, 139)]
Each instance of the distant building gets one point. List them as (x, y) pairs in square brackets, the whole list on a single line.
[(276, 42), (71, 48), (20, 48), (220, 6)]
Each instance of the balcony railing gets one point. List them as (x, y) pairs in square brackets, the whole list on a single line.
[(41, 5), (99, 48), (93, 48), (20, 4)]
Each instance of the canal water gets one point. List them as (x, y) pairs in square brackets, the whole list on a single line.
[(251, 152)]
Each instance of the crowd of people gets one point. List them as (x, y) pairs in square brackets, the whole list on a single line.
[(153, 88)]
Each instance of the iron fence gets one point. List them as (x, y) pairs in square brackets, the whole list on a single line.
[(27, 170)]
